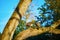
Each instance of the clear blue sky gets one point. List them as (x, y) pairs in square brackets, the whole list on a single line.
[(6, 9), (8, 6)]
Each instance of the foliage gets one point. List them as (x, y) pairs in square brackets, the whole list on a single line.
[(20, 27), (49, 13), (45, 15), (55, 6), (0, 33)]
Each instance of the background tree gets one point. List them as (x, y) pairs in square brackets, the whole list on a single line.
[(54, 5), (49, 13), (45, 15)]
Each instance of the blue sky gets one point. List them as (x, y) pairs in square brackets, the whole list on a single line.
[(35, 4), (8, 6), (6, 9)]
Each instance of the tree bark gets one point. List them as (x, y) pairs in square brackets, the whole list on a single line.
[(33, 32), (14, 20), (55, 31)]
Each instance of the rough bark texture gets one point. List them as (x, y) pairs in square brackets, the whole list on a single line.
[(14, 20)]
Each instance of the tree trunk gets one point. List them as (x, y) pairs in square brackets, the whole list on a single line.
[(14, 20)]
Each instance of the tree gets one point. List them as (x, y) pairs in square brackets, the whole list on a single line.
[(22, 35), (34, 31), (45, 15), (14, 20), (54, 5)]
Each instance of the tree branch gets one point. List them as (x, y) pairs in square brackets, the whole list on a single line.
[(33, 32), (55, 31)]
